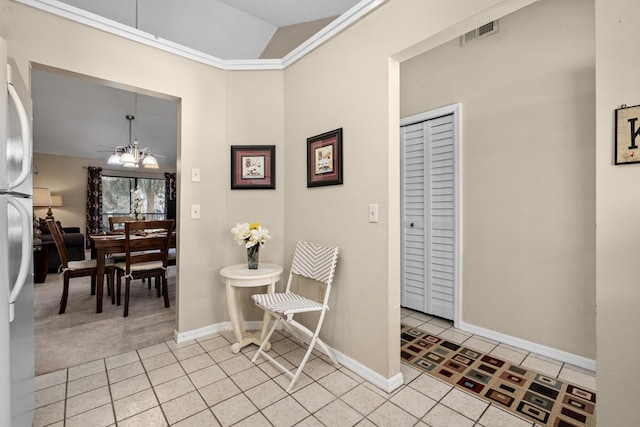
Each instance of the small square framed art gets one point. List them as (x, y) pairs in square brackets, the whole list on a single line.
[(253, 167), (324, 159)]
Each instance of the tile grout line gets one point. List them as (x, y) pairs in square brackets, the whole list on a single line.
[(146, 373), (113, 406), (66, 393)]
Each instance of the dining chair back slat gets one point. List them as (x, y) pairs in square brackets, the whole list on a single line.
[(116, 223), (59, 242)]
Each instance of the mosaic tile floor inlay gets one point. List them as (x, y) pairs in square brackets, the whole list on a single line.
[(531, 395)]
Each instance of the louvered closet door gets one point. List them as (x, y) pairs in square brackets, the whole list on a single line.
[(428, 184)]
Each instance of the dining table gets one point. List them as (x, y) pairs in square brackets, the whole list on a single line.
[(104, 244)]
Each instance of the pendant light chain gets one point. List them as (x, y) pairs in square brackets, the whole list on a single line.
[(135, 96), (131, 156), (135, 112)]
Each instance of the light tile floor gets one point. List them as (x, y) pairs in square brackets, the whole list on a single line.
[(201, 383)]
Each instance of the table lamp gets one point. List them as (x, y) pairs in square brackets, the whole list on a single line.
[(41, 198), (56, 201)]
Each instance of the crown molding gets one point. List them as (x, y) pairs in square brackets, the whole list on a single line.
[(87, 18), (338, 25)]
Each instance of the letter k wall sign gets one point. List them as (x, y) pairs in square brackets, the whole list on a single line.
[(628, 135)]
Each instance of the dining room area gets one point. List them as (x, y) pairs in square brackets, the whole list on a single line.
[(92, 325)]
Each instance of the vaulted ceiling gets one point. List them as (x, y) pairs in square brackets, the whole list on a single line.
[(226, 29), (80, 118)]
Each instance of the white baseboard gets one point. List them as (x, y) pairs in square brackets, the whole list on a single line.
[(180, 337), (386, 384), (390, 384), (543, 350)]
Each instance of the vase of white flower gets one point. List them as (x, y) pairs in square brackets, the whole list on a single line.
[(253, 256), (252, 236), (136, 204)]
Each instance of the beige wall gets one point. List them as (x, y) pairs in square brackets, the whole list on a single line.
[(204, 138), (528, 178), (67, 176), (255, 116), (617, 207), (351, 83)]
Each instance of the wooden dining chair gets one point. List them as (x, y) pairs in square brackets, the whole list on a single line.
[(173, 256), (72, 269), (146, 256), (116, 223)]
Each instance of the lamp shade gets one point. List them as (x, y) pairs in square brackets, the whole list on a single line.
[(128, 159), (114, 159), (56, 200), (150, 162), (41, 197)]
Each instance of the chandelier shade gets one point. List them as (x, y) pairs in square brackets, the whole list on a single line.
[(131, 156)]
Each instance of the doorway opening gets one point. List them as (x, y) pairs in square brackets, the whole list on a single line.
[(430, 217), (78, 122)]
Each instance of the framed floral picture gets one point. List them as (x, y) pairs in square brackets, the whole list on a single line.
[(253, 167), (324, 159)]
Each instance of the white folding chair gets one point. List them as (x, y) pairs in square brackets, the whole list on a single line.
[(312, 261)]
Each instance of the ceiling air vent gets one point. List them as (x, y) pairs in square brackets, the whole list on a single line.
[(482, 31)]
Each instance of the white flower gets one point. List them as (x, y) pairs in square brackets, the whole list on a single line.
[(250, 234), (136, 203), (241, 232)]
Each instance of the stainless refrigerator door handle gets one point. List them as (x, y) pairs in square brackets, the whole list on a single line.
[(25, 262), (24, 126)]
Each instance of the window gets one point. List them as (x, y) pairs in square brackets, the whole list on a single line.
[(116, 197)]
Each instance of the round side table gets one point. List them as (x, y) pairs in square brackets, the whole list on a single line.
[(239, 276)]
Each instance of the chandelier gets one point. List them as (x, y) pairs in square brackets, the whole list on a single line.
[(132, 156)]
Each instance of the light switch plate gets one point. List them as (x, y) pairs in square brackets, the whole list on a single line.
[(195, 211), (373, 213), (195, 175)]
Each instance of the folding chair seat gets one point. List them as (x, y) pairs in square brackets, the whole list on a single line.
[(311, 261)]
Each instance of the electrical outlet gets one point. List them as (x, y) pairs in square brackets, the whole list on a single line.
[(195, 211)]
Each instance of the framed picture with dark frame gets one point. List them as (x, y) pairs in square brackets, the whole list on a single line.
[(627, 142), (324, 159), (253, 167)]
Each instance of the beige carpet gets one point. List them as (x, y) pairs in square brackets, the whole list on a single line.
[(81, 335)]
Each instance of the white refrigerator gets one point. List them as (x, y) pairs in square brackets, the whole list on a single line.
[(17, 354)]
